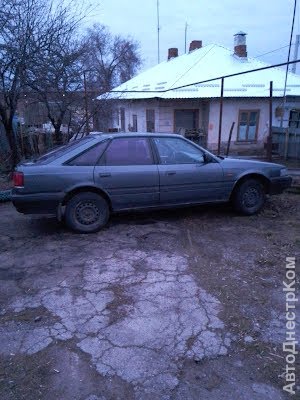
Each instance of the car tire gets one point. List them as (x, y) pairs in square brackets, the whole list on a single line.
[(249, 197), (86, 212)]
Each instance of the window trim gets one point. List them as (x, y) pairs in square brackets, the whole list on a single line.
[(122, 119), (297, 121), (238, 140), (134, 123), (148, 111)]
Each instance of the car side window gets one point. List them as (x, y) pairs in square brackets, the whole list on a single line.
[(90, 156), (128, 151), (177, 151)]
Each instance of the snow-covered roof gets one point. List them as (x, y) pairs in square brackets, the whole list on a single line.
[(203, 64)]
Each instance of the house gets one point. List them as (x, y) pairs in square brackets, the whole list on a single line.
[(167, 97)]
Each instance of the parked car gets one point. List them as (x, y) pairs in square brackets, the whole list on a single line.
[(90, 178)]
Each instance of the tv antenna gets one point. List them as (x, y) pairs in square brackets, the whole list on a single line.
[(185, 34), (158, 29)]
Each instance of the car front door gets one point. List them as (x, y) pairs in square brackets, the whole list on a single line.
[(185, 175), (128, 173)]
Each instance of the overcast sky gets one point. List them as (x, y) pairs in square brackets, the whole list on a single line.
[(267, 24)]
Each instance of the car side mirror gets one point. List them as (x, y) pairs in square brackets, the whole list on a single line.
[(207, 158)]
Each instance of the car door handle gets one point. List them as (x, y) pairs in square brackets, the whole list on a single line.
[(105, 175), (170, 172)]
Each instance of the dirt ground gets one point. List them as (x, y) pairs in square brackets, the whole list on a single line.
[(184, 304)]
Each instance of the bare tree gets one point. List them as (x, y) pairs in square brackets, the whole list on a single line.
[(57, 81), (109, 61), (27, 28), (40, 53)]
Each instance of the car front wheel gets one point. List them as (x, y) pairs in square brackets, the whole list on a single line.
[(86, 212), (249, 197)]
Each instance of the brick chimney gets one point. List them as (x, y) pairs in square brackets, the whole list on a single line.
[(240, 47), (172, 53), (195, 44)]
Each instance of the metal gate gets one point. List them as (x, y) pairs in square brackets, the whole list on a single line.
[(286, 142)]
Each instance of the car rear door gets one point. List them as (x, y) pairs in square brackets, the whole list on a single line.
[(128, 173), (185, 176)]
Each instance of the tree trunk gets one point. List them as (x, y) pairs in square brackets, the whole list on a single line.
[(12, 141), (58, 138)]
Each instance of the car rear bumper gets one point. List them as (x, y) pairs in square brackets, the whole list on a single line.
[(38, 203), (278, 185)]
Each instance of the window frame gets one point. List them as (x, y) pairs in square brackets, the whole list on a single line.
[(102, 160), (297, 121), (150, 112), (247, 140), (122, 119), (134, 123)]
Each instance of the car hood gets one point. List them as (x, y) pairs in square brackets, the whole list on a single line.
[(228, 162)]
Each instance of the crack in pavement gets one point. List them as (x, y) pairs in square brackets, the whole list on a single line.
[(168, 318)]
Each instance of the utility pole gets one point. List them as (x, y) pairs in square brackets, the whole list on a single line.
[(221, 116), (287, 65), (269, 139), (185, 34), (158, 29), (294, 66), (86, 105)]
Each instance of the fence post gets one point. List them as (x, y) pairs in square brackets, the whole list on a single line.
[(286, 143), (269, 141), (229, 138), (221, 116)]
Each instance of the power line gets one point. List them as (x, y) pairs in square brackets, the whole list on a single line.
[(288, 59), (272, 51)]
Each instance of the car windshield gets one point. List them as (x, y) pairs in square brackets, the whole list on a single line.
[(60, 150)]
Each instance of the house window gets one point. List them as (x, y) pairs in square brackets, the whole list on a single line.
[(122, 119), (294, 120), (150, 120), (134, 123), (248, 125)]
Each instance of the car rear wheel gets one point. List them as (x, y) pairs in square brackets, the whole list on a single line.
[(86, 212), (249, 197)]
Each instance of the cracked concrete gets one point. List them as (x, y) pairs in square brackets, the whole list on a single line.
[(151, 337), (148, 307)]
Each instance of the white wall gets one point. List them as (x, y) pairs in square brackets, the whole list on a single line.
[(164, 117), (164, 113), (231, 108), (139, 107)]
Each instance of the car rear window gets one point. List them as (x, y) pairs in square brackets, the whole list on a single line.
[(61, 150), (90, 156)]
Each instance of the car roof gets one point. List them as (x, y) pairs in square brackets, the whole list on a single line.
[(134, 134)]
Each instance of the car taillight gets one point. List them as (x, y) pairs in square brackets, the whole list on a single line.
[(18, 179)]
